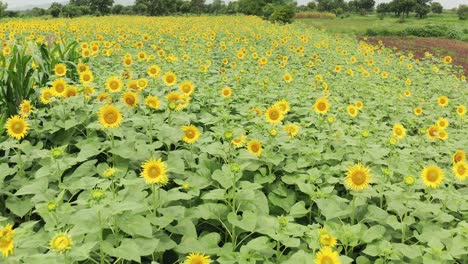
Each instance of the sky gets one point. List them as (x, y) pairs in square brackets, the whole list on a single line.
[(15, 4)]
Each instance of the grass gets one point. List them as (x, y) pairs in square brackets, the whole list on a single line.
[(358, 25)]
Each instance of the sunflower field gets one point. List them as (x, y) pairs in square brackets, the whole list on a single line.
[(230, 139)]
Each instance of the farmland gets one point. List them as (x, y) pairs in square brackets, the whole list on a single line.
[(226, 140)]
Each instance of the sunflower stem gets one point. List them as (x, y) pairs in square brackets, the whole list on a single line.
[(353, 208), (20, 162), (155, 201), (101, 251)]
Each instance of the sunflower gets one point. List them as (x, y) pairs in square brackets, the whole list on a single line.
[(226, 92), (152, 102), (359, 105), (128, 61), (432, 176), (110, 116), (104, 96), (274, 115), (6, 240), (197, 258), (187, 87), (46, 95), (154, 71), (169, 79), (86, 77), (255, 147), (239, 142), (142, 83), (287, 78), (399, 131), (461, 170), (114, 84), (16, 127), (283, 105), (326, 255), (433, 132), (88, 91), (59, 87), (407, 93), (443, 100), (25, 108), (352, 110), (321, 105), (442, 123), (82, 67), (459, 156), (154, 171), (358, 177), (443, 134), (326, 239), (60, 69), (191, 134), (447, 59), (130, 99), (61, 242), (291, 129), (418, 111), (461, 110)]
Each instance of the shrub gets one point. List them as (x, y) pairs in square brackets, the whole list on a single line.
[(462, 12), (324, 15), (282, 13)]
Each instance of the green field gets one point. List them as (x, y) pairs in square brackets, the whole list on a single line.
[(358, 25)]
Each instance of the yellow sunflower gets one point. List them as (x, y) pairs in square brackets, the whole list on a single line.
[(60, 69), (114, 84), (326, 239), (152, 102), (352, 110), (287, 78), (461, 170), (71, 91), (169, 79), (82, 67), (191, 134), (16, 127), (442, 123), (326, 255), (255, 147), (459, 156), (197, 258), (399, 131), (61, 242), (274, 115), (291, 129), (142, 83), (154, 71), (110, 116), (358, 177), (226, 92), (130, 99), (283, 105), (418, 111), (443, 100), (432, 176), (86, 77), (154, 171), (321, 105), (443, 134), (187, 87), (359, 105), (461, 110), (433, 132), (239, 142), (447, 59), (46, 95), (59, 87), (6, 240), (25, 108)]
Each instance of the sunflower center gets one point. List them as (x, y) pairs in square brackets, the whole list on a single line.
[(274, 115), (59, 88), (432, 175), (153, 71), (197, 261), (60, 70), (254, 148), (170, 79), (114, 85), (226, 92), (18, 127), (327, 260), (398, 131), (130, 100), (154, 172), (186, 88), (322, 106), (457, 158), (110, 118), (461, 169), (189, 134), (359, 177), (86, 77)]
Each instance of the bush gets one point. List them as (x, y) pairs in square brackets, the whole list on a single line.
[(462, 12), (435, 31), (282, 13)]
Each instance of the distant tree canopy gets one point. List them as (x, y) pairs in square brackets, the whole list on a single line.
[(436, 8), (3, 7)]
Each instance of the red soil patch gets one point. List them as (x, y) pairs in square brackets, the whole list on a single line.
[(458, 50)]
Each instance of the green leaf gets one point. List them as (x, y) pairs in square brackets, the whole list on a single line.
[(373, 233), (35, 187), (135, 225), (334, 207), (298, 210), (19, 206), (210, 211), (247, 221), (217, 194)]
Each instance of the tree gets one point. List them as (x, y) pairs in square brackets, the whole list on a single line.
[(71, 10), (382, 9), (402, 7), (311, 5), (197, 6), (282, 13), (55, 9), (80, 2), (3, 7), (436, 8), (422, 8), (250, 7), (117, 9), (101, 6), (217, 7), (462, 12), (365, 6)]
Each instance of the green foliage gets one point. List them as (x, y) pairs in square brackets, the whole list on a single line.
[(436, 8), (462, 12), (282, 14), (55, 9), (3, 7)]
